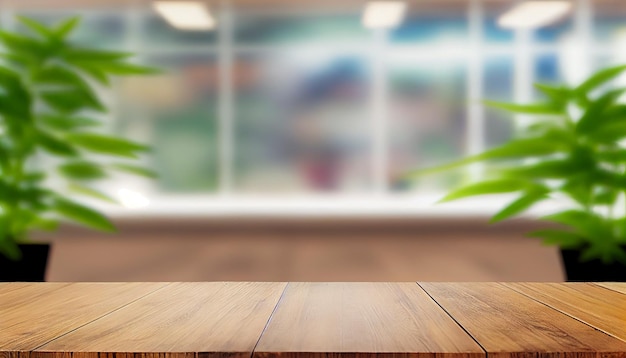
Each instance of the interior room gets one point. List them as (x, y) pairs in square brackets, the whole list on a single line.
[(291, 140)]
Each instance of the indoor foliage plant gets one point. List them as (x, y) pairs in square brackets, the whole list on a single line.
[(571, 149), (50, 143)]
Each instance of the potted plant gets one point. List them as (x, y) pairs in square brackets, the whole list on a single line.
[(571, 151), (49, 139)]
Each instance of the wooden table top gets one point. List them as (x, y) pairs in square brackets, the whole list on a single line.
[(305, 319)]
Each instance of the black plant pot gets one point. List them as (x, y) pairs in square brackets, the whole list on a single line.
[(591, 271), (32, 266)]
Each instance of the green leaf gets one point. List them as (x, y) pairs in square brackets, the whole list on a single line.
[(67, 123), (579, 189), (83, 215), (55, 145), (514, 149), (23, 45), (609, 133), (95, 73), (124, 68), (561, 238), (588, 224), (82, 171), (524, 202), (557, 95), (36, 26), (605, 196), (487, 187), (551, 169), (70, 101), (106, 144), (89, 55), (80, 189), (81, 91), (534, 108), (44, 224), (66, 27), (616, 156), (594, 117), (15, 100), (599, 78), (10, 249), (137, 170)]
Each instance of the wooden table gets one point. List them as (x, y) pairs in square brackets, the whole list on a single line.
[(263, 320)]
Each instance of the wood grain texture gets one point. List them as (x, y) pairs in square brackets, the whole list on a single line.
[(34, 314), (615, 286), (15, 293), (12, 286), (594, 305), (362, 320), (509, 324), (211, 319)]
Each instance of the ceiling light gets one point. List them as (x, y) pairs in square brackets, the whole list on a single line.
[(383, 14), (185, 15), (534, 14)]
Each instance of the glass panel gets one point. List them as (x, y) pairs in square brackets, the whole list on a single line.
[(299, 28), (97, 29), (177, 112), (555, 33), (609, 26), (547, 71), (156, 32), (433, 22), (427, 119), (493, 33), (498, 86), (301, 124)]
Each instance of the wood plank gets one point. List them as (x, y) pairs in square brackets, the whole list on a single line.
[(28, 291), (210, 319), (594, 305), (37, 313), (615, 286), (509, 324), (367, 319)]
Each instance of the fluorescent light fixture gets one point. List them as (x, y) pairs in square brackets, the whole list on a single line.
[(383, 14), (534, 14), (186, 15), (132, 199)]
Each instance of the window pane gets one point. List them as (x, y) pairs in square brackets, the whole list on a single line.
[(498, 86), (547, 71), (301, 124), (156, 32), (300, 28), (433, 22), (493, 32), (554, 34), (609, 26), (427, 119), (179, 111), (99, 29)]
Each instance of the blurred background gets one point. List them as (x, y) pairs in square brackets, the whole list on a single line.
[(281, 131)]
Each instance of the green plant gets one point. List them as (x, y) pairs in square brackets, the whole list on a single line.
[(571, 146), (48, 130)]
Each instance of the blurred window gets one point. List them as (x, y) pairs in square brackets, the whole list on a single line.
[(177, 113), (427, 119), (434, 23), (301, 124), (157, 33), (609, 23), (285, 98), (498, 86), (303, 28)]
